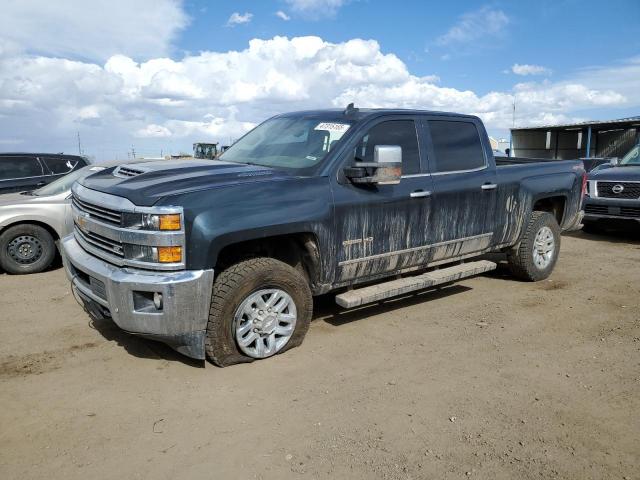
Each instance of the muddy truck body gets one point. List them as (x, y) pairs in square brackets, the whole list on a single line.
[(221, 259)]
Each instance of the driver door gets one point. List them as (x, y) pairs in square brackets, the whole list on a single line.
[(382, 228)]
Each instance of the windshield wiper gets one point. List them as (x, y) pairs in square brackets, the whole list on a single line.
[(29, 192)]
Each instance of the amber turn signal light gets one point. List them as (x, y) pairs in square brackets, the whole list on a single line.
[(169, 254), (170, 221)]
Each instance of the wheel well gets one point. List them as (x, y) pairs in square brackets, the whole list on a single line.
[(298, 250), (553, 205), (48, 228)]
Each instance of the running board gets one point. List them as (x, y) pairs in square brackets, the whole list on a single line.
[(393, 288)]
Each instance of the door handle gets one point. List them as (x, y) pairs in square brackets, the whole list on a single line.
[(420, 194), (489, 186)]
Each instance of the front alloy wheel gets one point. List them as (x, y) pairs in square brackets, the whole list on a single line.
[(260, 307), (264, 322)]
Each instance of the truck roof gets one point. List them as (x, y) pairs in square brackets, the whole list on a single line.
[(363, 113)]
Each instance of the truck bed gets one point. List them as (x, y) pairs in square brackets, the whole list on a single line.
[(500, 161)]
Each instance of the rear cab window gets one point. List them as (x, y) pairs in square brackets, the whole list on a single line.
[(16, 167), (400, 133), (456, 146)]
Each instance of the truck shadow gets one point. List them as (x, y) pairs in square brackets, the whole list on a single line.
[(327, 310), (141, 347)]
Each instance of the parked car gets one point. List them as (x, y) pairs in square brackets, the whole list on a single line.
[(28, 171), (32, 221), (613, 194), (222, 258)]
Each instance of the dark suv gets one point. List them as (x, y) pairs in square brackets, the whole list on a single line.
[(28, 171)]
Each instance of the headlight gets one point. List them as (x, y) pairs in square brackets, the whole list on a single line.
[(152, 221)]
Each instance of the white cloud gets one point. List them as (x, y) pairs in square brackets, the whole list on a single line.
[(283, 16), (316, 8), (168, 104), (477, 25), (92, 30), (238, 19), (526, 69)]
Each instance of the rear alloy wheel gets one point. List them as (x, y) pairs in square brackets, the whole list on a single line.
[(535, 256), (544, 248), (25, 249)]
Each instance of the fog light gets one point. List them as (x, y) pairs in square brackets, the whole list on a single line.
[(157, 300), (169, 254), (170, 222)]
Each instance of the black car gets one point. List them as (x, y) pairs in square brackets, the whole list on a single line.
[(28, 171), (613, 197)]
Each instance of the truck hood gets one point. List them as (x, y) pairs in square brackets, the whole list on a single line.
[(150, 181), (617, 174)]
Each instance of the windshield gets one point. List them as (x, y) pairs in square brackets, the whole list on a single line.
[(64, 184), (288, 142), (631, 158)]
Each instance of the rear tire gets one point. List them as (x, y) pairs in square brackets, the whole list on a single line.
[(239, 287), (26, 248), (535, 256)]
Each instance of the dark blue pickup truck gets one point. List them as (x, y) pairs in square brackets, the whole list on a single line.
[(221, 258), (613, 194)]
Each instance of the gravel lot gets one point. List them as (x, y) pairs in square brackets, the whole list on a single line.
[(490, 378)]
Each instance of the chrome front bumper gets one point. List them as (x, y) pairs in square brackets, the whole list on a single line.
[(126, 296)]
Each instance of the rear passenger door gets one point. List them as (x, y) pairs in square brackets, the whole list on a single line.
[(464, 187), (19, 173)]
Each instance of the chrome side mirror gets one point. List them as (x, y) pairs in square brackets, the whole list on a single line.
[(386, 168)]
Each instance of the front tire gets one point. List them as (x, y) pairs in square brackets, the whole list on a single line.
[(259, 307), (534, 258), (26, 249)]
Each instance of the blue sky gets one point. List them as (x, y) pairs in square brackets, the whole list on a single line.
[(161, 74), (563, 36)]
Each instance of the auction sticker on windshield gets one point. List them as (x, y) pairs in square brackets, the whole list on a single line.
[(333, 127)]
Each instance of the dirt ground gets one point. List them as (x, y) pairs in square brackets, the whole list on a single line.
[(491, 378)]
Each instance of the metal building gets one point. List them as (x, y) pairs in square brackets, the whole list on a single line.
[(596, 139)]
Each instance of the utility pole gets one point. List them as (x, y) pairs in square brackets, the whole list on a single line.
[(79, 144), (513, 125)]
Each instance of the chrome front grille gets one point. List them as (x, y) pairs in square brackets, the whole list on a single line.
[(107, 227), (98, 241), (97, 212)]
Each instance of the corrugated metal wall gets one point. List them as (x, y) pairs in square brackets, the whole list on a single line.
[(563, 144)]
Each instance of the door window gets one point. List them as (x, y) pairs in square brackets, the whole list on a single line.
[(19, 167), (456, 146), (393, 132), (60, 166)]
